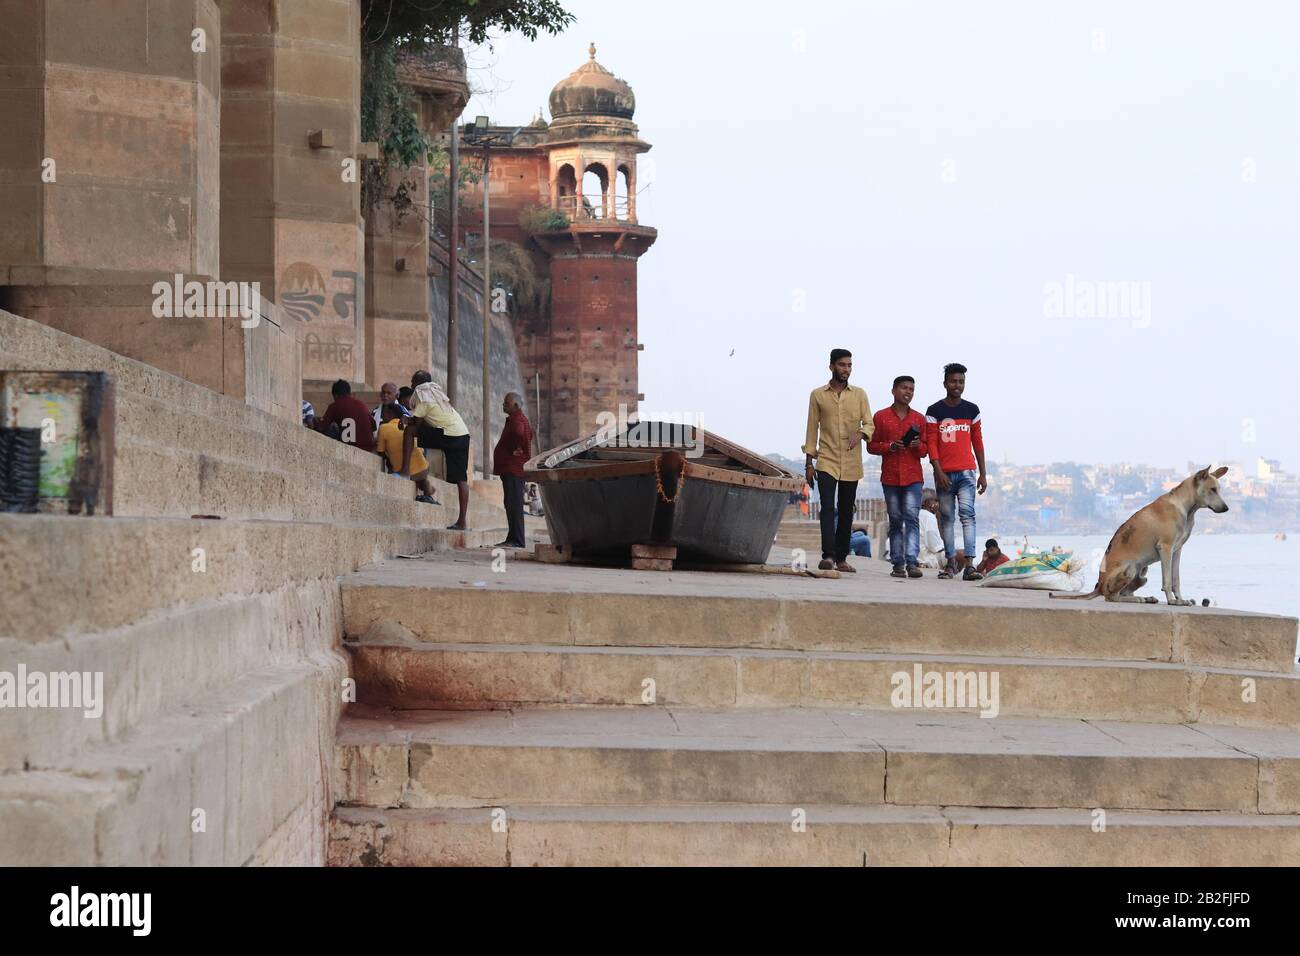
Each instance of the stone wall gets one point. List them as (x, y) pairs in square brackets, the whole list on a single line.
[(222, 684), (504, 373), (397, 282), (289, 217), (127, 126), (593, 342)]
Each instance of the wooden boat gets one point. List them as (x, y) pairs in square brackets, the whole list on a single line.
[(661, 483)]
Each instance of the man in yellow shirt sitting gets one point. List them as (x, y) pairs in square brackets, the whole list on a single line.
[(440, 426), (389, 443)]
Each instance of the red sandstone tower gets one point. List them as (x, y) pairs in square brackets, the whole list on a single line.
[(580, 354)]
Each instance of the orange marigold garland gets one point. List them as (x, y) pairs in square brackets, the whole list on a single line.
[(659, 483)]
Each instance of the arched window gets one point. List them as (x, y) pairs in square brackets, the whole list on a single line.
[(623, 189), (566, 190), (596, 199)]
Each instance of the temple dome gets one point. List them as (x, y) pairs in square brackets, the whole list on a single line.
[(591, 90)]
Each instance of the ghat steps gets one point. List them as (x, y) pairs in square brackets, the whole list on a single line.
[(519, 698), (218, 640)]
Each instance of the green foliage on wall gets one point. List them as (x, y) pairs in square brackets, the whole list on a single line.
[(390, 27)]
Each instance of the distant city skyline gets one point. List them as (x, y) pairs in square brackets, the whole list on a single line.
[(1079, 497), (1240, 462), (1091, 205)]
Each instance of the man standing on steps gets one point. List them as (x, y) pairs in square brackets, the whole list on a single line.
[(439, 426), (955, 437), (513, 449), (839, 420), (900, 441)]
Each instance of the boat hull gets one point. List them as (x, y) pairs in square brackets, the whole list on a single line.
[(662, 484), (709, 519)]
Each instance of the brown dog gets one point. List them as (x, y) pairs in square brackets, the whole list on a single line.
[(1156, 533)]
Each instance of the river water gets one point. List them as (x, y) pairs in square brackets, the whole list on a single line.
[(1245, 572)]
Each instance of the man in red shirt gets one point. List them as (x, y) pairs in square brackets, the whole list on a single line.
[(899, 439), (356, 425), (512, 450), (993, 557), (955, 435)]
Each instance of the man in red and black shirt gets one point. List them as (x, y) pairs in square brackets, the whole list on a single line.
[(512, 450), (955, 437), (348, 419), (900, 440)]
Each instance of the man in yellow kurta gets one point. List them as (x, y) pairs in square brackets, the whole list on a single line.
[(839, 422)]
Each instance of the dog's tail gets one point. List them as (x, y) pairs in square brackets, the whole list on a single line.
[(1095, 592)]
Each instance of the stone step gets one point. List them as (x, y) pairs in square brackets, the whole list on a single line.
[(100, 573), (748, 835), (293, 455), (182, 449), (249, 754), (537, 603), (120, 598), (444, 759), (145, 420), (475, 676), (155, 480)]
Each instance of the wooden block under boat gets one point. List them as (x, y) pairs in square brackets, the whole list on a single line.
[(550, 554), (651, 564), (664, 552)]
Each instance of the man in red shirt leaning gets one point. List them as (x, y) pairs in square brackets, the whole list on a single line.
[(899, 439), (512, 450), (993, 557)]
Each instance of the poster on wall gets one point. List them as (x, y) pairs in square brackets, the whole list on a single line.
[(58, 442)]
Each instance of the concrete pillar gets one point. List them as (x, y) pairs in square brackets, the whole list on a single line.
[(290, 214), (397, 288), (579, 171), (631, 190), (399, 315), (112, 180), (109, 167)]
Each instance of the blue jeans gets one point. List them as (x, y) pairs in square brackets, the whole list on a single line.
[(860, 544), (961, 496), (903, 502)]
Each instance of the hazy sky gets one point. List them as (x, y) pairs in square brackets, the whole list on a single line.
[(918, 175)]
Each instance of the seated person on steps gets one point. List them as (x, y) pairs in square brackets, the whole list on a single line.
[(389, 445)]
